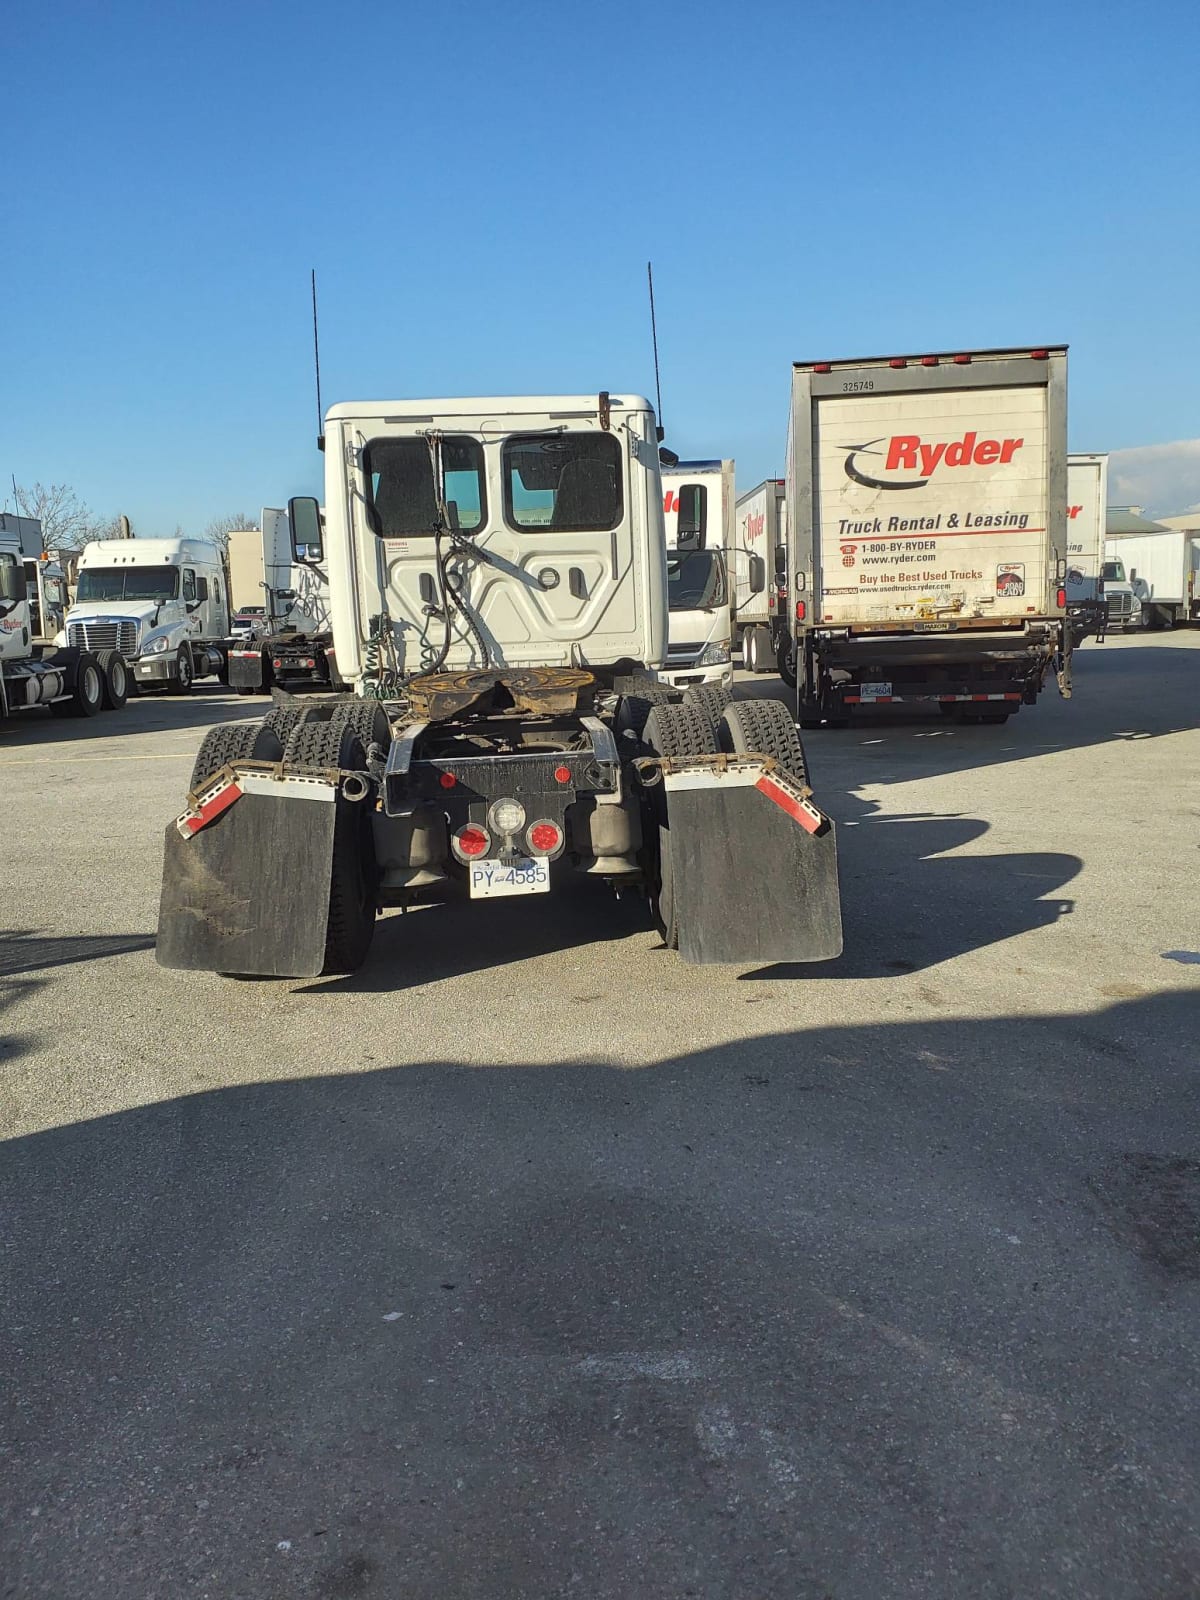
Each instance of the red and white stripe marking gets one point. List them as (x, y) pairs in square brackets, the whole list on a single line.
[(777, 786), (213, 802)]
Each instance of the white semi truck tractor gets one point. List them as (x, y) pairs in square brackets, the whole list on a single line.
[(163, 603), (498, 592), (71, 681)]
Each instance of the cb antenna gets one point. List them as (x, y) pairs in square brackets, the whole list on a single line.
[(654, 338), (317, 364)]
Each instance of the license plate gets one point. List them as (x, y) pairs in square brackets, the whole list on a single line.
[(145, 672), (516, 875), (876, 691)]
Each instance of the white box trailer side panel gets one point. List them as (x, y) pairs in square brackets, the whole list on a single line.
[(926, 491), (1087, 505), (758, 530), (712, 482), (246, 569), (1163, 563)]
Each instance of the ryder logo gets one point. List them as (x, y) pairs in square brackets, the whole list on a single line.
[(752, 526), (908, 452)]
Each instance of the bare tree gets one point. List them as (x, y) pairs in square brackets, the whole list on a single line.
[(67, 523), (220, 528), (65, 520)]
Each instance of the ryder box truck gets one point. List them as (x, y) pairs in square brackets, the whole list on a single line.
[(927, 514)]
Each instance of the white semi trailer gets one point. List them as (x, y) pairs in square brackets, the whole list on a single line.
[(498, 587), (1162, 569), (760, 583), (927, 501)]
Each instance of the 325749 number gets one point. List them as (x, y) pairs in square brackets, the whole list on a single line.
[(858, 386)]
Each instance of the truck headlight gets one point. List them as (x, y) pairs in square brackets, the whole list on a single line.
[(715, 654), (156, 647)]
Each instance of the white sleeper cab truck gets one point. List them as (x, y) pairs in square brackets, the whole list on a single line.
[(698, 516), (760, 578), (927, 517), (1087, 502), (71, 681), (498, 585), (293, 646), (162, 603)]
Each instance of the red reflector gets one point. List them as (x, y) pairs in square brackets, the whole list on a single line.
[(929, 361), (545, 837), (1061, 598), (562, 774), (1039, 355), (897, 361), (801, 610), (471, 841), (447, 780), (277, 662), (962, 361), (822, 366)]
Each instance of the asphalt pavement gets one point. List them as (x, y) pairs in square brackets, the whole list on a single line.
[(531, 1262)]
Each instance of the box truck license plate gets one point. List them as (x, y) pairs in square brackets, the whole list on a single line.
[(876, 691), (517, 875)]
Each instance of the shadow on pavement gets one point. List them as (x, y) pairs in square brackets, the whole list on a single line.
[(142, 715), (903, 1310), (1126, 694), (27, 950)]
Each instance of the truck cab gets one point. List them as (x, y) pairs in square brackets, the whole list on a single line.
[(1120, 595), (163, 603), (697, 506)]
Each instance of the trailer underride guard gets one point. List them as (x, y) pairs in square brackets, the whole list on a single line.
[(498, 598)]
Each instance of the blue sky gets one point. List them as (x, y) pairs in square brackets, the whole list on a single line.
[(479, 187)]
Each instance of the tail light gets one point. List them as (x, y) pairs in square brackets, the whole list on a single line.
[(545, 838), (962, 361), (471, 842), (801, 610), (1061, 599)]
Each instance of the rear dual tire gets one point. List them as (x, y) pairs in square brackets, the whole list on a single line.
[(87, 696), (672, 730)]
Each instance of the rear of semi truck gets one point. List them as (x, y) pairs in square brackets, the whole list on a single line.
[(499, 588), (927, 511)]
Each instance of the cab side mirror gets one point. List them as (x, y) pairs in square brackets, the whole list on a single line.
[(757, 573), (304, 523)]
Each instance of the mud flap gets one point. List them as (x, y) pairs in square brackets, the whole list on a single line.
[(753, 868), (248, 890)]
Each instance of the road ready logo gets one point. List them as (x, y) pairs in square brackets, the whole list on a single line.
[(909, 453)]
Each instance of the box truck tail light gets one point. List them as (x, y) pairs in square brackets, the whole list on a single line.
[(545, 838), (897, 361), (962, 361), (929, 361), (1061, 599), (1039, 355), (471, 841), (562, 774), (822, 366), (801, 610)]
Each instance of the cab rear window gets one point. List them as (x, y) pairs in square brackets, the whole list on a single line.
[(401, 501), (564, 482)]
